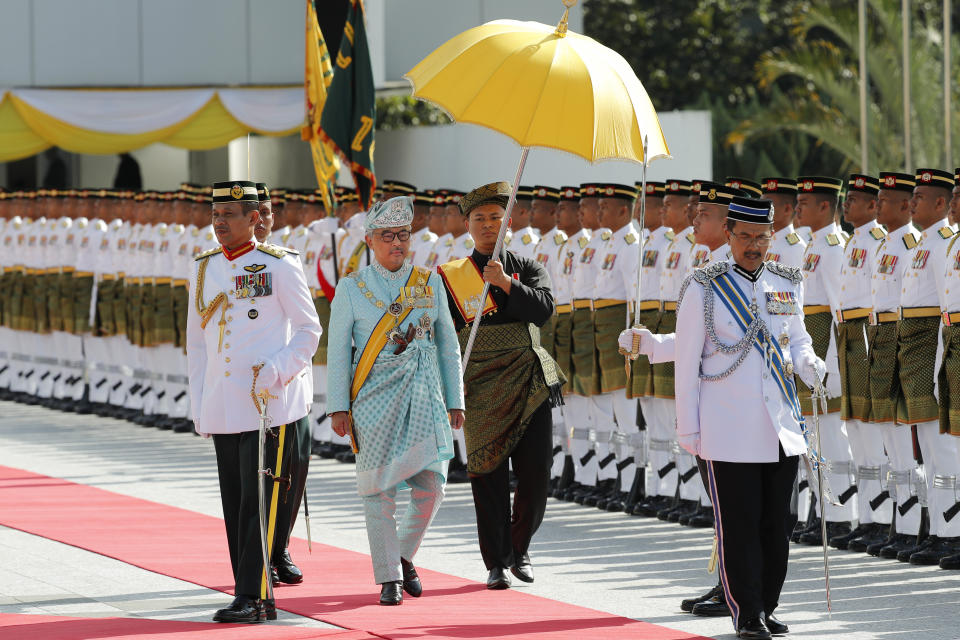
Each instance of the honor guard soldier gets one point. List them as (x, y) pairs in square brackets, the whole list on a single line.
[(525, 237), (586, 374), (661, 476), (252, 328), (614, 412), (653, 255), (923, 293), (866, 442), (543, 218), (422, 240), (437, 223), (817, 199), (461, 245), (568, 222), (787, 247), (949, 375), (741, 415), (900, 483)]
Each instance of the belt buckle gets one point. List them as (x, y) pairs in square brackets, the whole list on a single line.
[(946, 318), (872, 319), (900, 313)]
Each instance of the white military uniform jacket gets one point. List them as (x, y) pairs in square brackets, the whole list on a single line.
[(268, 318), (524, 242), (421, 246), (743, 417), (857, 268), (787, 247)]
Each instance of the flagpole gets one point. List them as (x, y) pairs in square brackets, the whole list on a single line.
[(947, 82), (905, 19), (862, 19)]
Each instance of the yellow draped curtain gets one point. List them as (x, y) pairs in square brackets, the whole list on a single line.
[(26, 131)]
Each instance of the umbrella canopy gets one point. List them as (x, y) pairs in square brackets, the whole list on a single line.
[(544, 87)]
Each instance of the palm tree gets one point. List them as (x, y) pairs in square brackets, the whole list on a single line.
[(820, 81)]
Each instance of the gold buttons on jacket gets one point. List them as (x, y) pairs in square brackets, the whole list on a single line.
[(226, 374), (226, 359)]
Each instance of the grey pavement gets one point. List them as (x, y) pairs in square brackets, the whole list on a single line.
[(634, 567)]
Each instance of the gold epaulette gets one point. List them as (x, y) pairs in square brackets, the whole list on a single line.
[(946, 232), (669, 235), (909, 240), (692, 239), (276, 251), (606, 235), (583, 241), (792, 239), (559, 238), (833, 239), (877, 233), (209, 252), (630, 238)]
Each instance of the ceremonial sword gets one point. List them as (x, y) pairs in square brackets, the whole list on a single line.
[(262, 472), (819, 395)]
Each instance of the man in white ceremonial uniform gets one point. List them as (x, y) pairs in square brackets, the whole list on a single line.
[(568, 221), (422, 239), (922, 293), (817, 198), (462, 243), (252, 326), (654, 255), (787, 247), (661, 474), (856, 282), (614, 412), (586, 376), (948, 378), (524, 238), (901, 480), (742, 417)]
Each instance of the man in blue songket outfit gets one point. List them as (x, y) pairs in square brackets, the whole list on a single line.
[(397, 393)]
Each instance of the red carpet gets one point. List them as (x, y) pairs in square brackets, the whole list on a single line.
[(14, 625), (339, 590)]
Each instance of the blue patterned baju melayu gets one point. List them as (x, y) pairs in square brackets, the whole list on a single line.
[(400, 414)]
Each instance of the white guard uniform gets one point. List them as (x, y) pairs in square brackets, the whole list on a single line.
[(787, 247), (277, 326)]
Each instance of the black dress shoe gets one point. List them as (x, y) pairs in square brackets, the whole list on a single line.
[(951, 562), (391, 593), (753, 628), (801, 527), (899, 543), (776, 627), (411, 581), (522, 568), (183, 426), (904, 554), (615, 503), (287, 572), (702, 519), (834, 529), (457, 476), (843, 541), (875, 533), (497, 579), (242, 609), (688, 604), (875, 548), (712, 608)]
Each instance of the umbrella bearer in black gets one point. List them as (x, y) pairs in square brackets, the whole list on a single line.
[(510, 384), (251, 329)]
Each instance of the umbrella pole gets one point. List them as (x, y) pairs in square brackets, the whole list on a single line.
[(496, 256), (643, 216)]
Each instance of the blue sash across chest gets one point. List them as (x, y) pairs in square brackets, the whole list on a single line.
[(736, 303)]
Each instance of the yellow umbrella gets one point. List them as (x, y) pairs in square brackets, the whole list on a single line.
[(542, 86)]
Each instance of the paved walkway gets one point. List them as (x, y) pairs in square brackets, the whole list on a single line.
[(635, 567)]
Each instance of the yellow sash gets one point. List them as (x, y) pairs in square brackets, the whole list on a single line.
[(378, 339), (465, 284)]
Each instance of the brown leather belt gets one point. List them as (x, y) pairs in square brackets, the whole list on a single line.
[(810, 309), (883, 317), (853, 314), (564, 308)]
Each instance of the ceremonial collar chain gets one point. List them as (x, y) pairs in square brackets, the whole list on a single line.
[(391, 275)]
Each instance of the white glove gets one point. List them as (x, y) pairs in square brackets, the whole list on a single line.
[(690, 442), (811, 370), (625, 341), (269, 376)]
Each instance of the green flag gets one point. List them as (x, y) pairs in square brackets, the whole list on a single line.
[(348, 116)]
